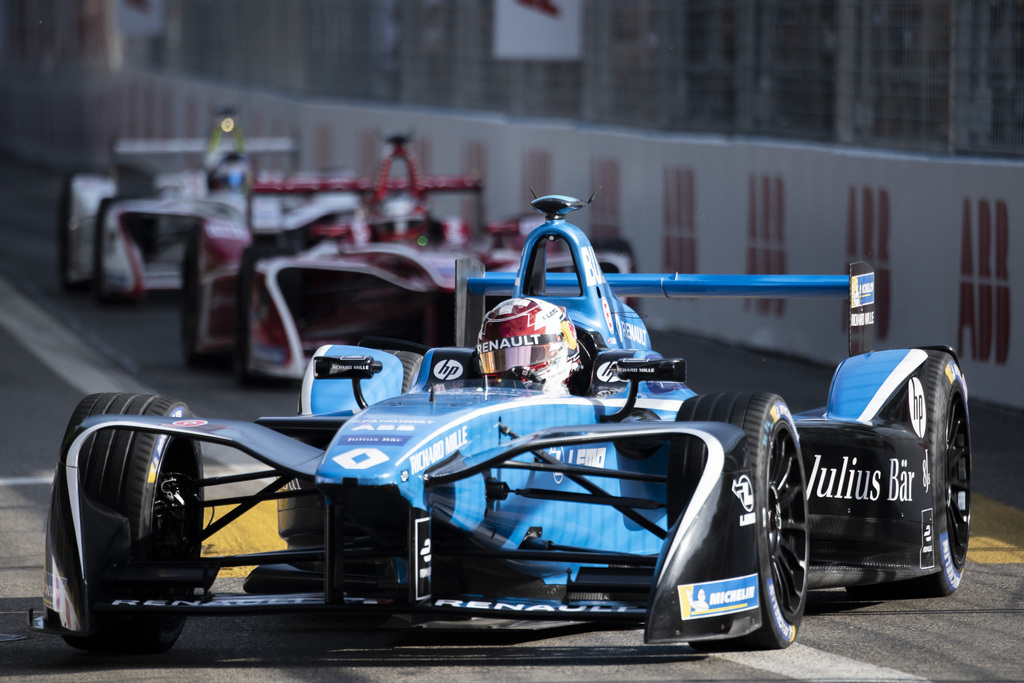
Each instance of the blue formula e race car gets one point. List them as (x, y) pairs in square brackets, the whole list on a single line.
[(470, 482)]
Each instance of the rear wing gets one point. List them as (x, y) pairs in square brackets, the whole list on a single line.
[(157, 146), (473, 285), (453, 183)]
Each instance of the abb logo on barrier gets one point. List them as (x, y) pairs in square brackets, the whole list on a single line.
[(604, 220), (985, 283), (680, 230), (536, 180), (867, 239), (766, 236)]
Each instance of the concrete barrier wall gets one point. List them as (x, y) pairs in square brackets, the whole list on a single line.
[(938, 230)]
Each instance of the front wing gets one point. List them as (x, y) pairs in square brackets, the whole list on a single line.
[(706, 546)]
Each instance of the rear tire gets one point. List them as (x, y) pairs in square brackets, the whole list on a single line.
[(948, 435), (135, 474), (410, 367), (780, 492)]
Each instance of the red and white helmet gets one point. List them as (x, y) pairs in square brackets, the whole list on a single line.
[(528, 339)]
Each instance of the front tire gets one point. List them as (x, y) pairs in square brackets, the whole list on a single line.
[(146, 478), (783, 542)]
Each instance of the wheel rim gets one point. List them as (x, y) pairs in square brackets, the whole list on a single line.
[(177, 525), (787, 525), (958, 483)]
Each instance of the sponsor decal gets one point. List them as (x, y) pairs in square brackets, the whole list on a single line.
[(605, 374), (592, 274), (715, 598), (439, 450), (748, 519), (556, 453), (539, 607), (448, 370), (786, 629), (55, 597), (862, 290), (382, 427), (848, 482), (780, 411), (188, 423), (918, 411), (399, 423), (926, 478), (590, 457), (867, 239), (360, 458), (948, 568), (383, 439), (422, 570), (927, 541), (634, 333), (901, 481), (232, 602), (862, 319), (744, 490), (509, 342), (953, 374), (608, 316)]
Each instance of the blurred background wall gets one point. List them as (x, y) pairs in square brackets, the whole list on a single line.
[(773, 136)]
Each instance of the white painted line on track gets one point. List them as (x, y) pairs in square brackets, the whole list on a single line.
[(804, 663), (59, 349), (26, 481)]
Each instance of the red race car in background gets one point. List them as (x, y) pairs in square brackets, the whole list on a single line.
[(123, 232), (386, 268)]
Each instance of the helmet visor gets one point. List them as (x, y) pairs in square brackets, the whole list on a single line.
[(500, 356)]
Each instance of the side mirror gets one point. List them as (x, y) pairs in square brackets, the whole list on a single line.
[(650, 369), (355, 368), (636, 370)]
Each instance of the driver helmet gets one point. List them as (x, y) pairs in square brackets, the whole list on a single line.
[(399, 217), (531, 340), (230, 173)]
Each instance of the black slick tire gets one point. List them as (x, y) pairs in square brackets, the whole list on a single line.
[(781, 505), (144, 478)]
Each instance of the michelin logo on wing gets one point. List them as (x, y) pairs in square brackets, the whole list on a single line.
[(715, 598), (862, 290)]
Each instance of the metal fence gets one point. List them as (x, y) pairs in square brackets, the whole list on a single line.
[(932, 76)]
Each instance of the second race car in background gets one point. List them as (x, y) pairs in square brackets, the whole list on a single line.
[(387, 269), (124, 232)]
